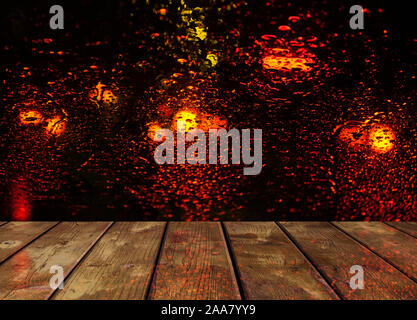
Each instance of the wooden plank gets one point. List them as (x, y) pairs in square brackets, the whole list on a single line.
[(119, 267), (15, 235), (407, 227), (270, 266), (393, 245), (26, 275), (334, 253), (2, 222), (194, 264)]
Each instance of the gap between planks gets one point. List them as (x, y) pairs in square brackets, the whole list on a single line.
[(119, 266), (397, 248), (15, 236), (334, 253), (194, 264), (409, 228), (242, 294), (64, 246), (270, 266)]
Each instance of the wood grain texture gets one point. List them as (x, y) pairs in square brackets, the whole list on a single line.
[(26, 274), (407, 227), (120, 266), (194, 264), (15, 235), (391, 244), (270, 266), (334, 253)]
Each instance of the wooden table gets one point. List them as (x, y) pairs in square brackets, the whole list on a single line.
[(208, 260)]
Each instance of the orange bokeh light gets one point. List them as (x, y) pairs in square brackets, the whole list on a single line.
[(102, 94), (354, 136), (152, 129), (375, 137), (283, 60), (30, 116)]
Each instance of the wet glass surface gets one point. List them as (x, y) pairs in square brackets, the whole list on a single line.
[(81, 105)]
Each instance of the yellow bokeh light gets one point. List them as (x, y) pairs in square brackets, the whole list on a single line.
[(200, 33), (189, 119), (212, 58), (381, 138), (55, 126)]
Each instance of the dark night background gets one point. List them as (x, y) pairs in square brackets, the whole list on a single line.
[(101, 167)]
